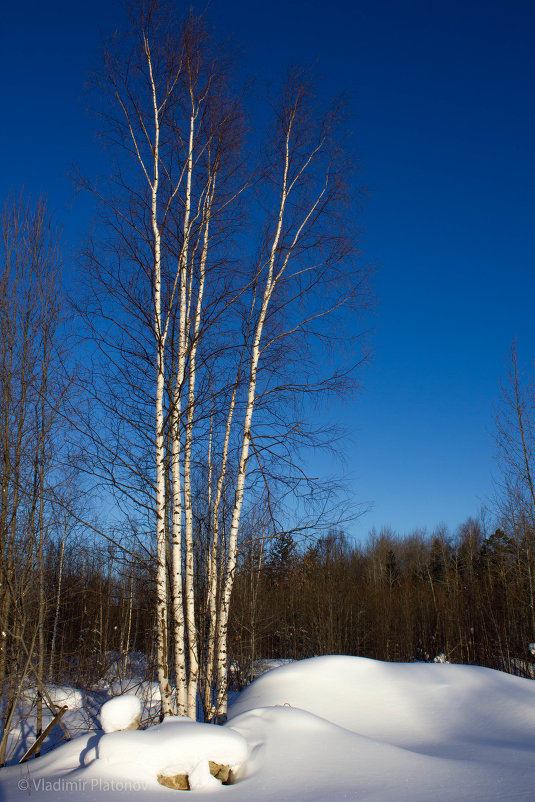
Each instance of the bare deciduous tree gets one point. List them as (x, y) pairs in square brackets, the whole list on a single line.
[(213, 335), (33, 390), (515, 440)]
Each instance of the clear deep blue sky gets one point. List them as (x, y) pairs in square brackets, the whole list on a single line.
[(444, 130)]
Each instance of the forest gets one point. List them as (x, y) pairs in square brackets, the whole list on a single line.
[(464, 599), (155, 425)]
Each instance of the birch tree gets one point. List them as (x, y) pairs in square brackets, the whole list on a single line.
[(300, 283), (171, 121), (211, 332)]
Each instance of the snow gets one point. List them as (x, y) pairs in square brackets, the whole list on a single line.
[(60, 695), (441, 658), (118, 665), (120, 713), (176, 746), (336, 728)]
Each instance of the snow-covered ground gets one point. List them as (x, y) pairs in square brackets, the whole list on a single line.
[(82, 714), (328, 728)]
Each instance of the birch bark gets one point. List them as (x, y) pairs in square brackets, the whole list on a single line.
[(160, 331), (245, 442)]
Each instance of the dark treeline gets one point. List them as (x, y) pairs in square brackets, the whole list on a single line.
[(96, 601), (468, 598)]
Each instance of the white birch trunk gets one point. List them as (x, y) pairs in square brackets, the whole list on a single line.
[(212, 605), (176, 557), (184, 624), (222, 666), (190, 579), (161, 550)]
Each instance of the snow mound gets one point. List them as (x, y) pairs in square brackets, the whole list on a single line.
[(60, 695), (176, 746), (414, 705), (353, 728), (120, 713)]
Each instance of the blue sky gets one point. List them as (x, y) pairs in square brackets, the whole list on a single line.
[(443, 127)]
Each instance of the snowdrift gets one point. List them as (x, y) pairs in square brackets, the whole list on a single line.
[(58, 694), (328, 728), (420, 706)]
